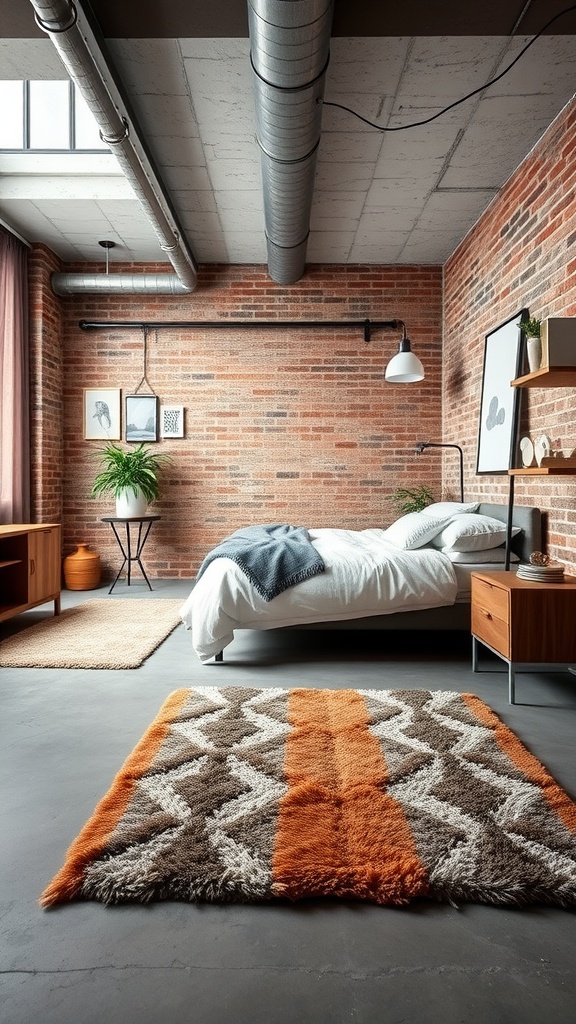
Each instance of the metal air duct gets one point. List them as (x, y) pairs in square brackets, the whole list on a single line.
[(69, 28), (289, 52)]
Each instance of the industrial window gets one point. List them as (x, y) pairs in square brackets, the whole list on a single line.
[(46, 117)]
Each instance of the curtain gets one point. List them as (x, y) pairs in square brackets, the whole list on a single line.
[(14, 382)]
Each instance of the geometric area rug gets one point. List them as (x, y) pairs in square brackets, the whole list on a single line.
[(251, 794), (105, 633)]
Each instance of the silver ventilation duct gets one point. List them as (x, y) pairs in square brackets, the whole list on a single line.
[(289, 51), (70, 31), (125, 284)]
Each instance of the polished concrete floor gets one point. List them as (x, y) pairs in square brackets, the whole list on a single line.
[(63, 736)]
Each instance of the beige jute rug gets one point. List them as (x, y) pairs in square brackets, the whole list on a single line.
[(103, 633)]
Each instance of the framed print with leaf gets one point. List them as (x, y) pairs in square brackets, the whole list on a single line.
[(141, 417), (503, 353), (102, 414), (171, 421)]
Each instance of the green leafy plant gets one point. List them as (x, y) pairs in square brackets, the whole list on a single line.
[(531, 327), (406, 500), (137, 470)]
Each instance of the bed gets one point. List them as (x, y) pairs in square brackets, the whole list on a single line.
[(369, 582)]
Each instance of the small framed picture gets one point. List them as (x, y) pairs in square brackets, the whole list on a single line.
[(171, 421), (102, 414), (141, 417)]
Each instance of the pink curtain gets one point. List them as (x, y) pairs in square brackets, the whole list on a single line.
[(14, 382)]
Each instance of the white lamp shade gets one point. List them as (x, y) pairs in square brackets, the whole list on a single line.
[(404, 368)]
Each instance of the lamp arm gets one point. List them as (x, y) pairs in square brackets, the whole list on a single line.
[(448, 444)]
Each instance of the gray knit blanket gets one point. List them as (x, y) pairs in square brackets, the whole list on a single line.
[(273, 557)]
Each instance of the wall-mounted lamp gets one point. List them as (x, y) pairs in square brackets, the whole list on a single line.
[(434, 444), (404, 367)]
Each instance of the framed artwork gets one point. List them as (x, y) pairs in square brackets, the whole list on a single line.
[(503, 354), (171, 421), (102, 414), (141, 417)]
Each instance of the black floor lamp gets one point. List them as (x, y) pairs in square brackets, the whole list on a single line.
[(434, 444)]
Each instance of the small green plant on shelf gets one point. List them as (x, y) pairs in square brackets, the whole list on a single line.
[(407, 500), (531, 327)]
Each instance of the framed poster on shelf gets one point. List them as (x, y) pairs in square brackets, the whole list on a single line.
[(503, 355)]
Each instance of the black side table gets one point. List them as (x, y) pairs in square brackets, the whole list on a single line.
[(144, 524)]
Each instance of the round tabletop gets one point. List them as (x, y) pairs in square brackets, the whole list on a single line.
[(129, 519)]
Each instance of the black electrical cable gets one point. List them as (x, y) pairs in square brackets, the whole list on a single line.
[(417, 124)]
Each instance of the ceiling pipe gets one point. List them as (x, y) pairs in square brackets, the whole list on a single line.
[(70, 29), (289, 53)]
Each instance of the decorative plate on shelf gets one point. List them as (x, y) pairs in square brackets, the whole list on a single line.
[(542, 448), (527, 452)]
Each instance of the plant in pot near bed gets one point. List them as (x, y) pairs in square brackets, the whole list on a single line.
[(407, 500), (131, 476)]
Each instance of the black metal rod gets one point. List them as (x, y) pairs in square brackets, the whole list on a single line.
[(509, 522), (281, 325)]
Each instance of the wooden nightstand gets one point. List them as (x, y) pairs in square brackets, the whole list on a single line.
[(524, 623)]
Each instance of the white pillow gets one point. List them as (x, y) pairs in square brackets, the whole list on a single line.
[(472, 533), (450, 508), (415, 529), (480, 557)]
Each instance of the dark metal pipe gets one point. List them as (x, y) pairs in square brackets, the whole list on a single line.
[(367, 326)]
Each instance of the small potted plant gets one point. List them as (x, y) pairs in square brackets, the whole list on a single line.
[(406, 500), (531, 329), (131, 476)]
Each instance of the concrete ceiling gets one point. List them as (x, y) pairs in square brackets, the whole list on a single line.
[(380, 197)]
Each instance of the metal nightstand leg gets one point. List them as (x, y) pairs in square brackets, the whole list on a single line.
[(511, 683), (511, 667)]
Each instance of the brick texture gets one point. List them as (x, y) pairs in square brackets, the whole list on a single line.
[(521, 253), (299, 425), (292, 425), (46, 382)]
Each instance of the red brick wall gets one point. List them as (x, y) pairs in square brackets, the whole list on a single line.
[(46, 381), (521, 253), (284, 425)]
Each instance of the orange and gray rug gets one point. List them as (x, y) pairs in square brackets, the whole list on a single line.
[(240, 794)]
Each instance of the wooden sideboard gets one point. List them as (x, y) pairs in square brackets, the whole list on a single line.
[(30, 561)]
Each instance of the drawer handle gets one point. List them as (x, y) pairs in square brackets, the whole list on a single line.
[(488, 615)]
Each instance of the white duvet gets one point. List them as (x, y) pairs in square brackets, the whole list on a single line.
[(365, 575)]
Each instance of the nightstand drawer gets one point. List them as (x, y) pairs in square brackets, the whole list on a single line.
[(491, 598), (491, 629), (490, 615)]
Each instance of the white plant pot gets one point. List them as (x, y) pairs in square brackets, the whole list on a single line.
[(534, 353), (130, 505)]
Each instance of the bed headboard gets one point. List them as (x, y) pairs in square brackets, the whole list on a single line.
[(527, 518)]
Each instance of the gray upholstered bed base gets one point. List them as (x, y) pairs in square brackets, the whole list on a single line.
[(454, 616)]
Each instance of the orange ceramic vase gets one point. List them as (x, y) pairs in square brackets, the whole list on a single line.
[(82, 569)]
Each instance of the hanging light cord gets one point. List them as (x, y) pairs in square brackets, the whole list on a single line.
[(417, 124)]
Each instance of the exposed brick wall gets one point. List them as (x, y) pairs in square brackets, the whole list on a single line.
[(46, 382), (521, 253), (283, 425), (300, 425)]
